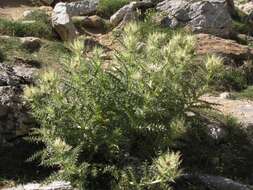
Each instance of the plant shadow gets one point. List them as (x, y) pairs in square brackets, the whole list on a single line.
[(14, 166), (229, 156)]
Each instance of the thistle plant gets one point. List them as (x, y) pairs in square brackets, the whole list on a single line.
[(112, 128)]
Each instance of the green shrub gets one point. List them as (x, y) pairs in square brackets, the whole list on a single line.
[(39, 16), (112, 128), (230, 79), (246, 93), (242, 27), (49, 53), (38, 26), (109, 7)]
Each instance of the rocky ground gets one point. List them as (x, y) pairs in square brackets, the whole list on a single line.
[(240, 109), (217, 25), (12, 9)]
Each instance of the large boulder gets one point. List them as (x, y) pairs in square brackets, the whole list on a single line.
[(14, 119), (209, 182), (233, 54), (208, 16), (127, 12), (62, 13)]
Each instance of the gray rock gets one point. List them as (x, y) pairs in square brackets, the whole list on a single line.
[(208, 16), (120, 14), (240, 109), (221, 183), (14, 119), (61, 21), (127, 12), (84, 7), (215, 131), (215, 182), (62, 13), (57, 185)]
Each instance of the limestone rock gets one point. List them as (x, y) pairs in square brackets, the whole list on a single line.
[(91, 22), (127, 12), (247, 7), (62, 22), (213, 182), (57, 185), (209, 16), (240, 109), (62, 13), (232, 53), (14, 118), (221, 183)]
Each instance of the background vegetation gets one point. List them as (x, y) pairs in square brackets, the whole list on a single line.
[(36, 24)]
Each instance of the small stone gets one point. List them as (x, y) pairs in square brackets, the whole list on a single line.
[(225, 95), (27, 13), (215, 131)]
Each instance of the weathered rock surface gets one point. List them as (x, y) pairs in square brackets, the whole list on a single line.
[(209, 16), (94, 22), (14, 119), (62, 13), (213, 182), (247, 7), (57, 185), (221, 183), (231, 52), (240, 109), (127, 12)]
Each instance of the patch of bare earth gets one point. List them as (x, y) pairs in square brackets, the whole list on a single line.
[(14, 9)]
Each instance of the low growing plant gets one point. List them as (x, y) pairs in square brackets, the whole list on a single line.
[(36, 24), (230, 79), (112, 128)]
